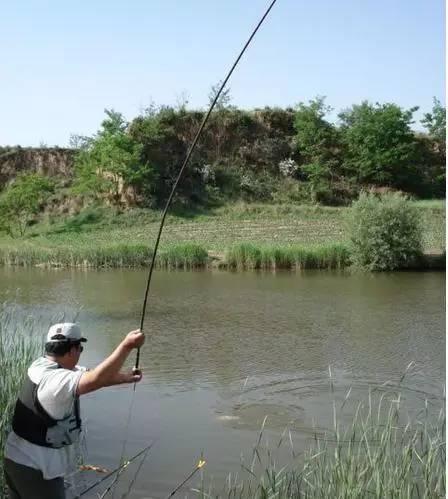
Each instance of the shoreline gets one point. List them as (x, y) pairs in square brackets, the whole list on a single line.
[(232, 237), (241, 257)]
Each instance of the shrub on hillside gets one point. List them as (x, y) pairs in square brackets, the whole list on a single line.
[(22, 200), (385, 232)]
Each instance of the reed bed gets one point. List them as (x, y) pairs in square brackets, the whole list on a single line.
[(19, 346), (179, 256), (379, 454), (187, 256), (182, 256), (245, 256)]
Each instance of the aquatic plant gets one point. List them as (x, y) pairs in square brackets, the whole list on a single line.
[(177, 256), (381, 453), (182, 256), (252, 256), (19, 346)]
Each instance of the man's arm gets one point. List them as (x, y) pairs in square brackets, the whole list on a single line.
[(108, 372)]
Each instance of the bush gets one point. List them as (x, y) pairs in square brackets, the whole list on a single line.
[(385, 232), (22, 200)]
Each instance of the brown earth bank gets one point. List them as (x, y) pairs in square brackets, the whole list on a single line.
[(48, 161)]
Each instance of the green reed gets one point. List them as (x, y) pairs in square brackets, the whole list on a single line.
[(380, 453), (20, 344), (183, 256), (253, 256)]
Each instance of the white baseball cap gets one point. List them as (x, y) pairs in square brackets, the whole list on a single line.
[(66, 331)]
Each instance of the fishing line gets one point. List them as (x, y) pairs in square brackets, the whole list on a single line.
[(187, 158), (123, 448), (173, 190), (116, 470)]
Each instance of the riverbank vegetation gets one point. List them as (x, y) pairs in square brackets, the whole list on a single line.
[(236, 236), (271, 155), (282, 180), (19, 346), (381, 453)]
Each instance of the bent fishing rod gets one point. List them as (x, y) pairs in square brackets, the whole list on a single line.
[(184, 165)]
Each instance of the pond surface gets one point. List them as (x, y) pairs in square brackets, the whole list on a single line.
[(224, 350)]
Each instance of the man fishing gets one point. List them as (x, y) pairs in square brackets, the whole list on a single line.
[(41, 448)]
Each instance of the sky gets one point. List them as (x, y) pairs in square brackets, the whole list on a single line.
[(62, 63)]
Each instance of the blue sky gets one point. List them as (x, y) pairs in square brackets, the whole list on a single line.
[(62, 62)]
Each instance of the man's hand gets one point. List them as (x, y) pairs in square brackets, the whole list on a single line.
[(134, 339), (133, 376), (108, 372)]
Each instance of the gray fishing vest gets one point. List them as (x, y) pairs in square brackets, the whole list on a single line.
[(31, 421)]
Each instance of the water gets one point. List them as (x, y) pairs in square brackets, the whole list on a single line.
[(224, 350)]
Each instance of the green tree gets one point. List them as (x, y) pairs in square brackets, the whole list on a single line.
[(380, 146), (385, 232), (165, 135), (109, 160), (435, 166), (317, 145), (21, 201), (435, 123)]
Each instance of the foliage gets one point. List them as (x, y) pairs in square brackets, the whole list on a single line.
[(244, 256), (164, 135), (109, 161), (21, 201), (434, 148), (435, 123), (318, 147), (262, 155), (316, 138), (20, 344), (80, 221), (182, 256), (385, 232), (378, 450), (288, 167), (113, 238), (380, 146)]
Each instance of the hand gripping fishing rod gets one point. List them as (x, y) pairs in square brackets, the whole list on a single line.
[(184, 165)]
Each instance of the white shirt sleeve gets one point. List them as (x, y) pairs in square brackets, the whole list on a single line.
[(57, 391)]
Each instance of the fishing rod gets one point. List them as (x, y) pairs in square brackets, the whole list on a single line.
[(200, 464), (116, 470), (184, 165)]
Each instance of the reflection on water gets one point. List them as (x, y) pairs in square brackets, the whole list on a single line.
[(224, 350)]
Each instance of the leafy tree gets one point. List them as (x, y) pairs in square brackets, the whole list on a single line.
[(109, 160), (20, 201), (380, 146), (435, 123), (435, 164), (317, 144), (385, 232), (165, 135)]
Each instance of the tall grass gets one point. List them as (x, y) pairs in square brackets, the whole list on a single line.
[(112, 256), (251, 256), (182, 256), (379, 454), (19, 346)]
